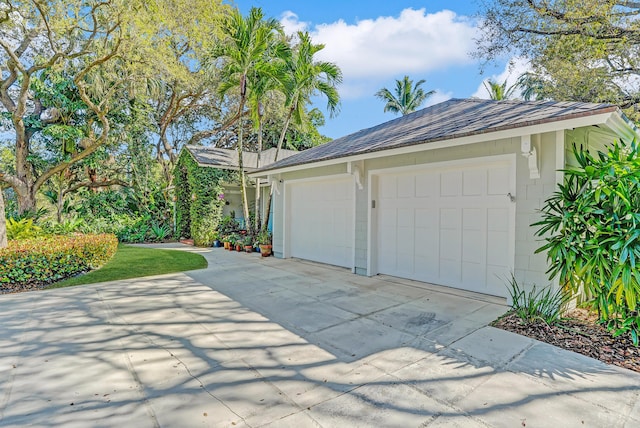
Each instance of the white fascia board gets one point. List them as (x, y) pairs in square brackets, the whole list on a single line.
[(598, 119)]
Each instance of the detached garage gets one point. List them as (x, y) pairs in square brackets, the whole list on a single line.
[(445, 195)]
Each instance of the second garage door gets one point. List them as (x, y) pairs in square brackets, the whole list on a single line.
[(448, 225), (321, 220)]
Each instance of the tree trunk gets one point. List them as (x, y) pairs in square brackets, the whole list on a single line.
[(267, 212), (243, 181), (257, 225), (3, 222), (283, 133), (26, 200)]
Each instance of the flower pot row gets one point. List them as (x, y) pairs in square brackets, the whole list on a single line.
[(265, 250)]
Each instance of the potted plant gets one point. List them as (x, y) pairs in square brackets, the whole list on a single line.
[(239, 243), (216, 241), (226, 240), (248, 244), (264, 241)]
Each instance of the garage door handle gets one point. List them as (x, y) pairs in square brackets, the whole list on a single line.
[(511, 197)]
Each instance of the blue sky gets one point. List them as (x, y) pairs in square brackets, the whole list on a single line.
[(375, 42)]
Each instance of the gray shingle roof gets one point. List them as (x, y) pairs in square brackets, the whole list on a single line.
[(454, 118), (228, 158)]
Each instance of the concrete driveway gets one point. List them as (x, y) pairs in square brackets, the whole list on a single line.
[(264, 342)]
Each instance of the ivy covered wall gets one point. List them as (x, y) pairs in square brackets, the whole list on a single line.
[(198, 199)]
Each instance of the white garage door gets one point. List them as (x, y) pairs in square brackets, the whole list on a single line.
[(448, 226), (321, 221)]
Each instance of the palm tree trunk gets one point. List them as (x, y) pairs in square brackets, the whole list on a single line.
[(283, 133), (257, 225), (267, 211), (243, 180)]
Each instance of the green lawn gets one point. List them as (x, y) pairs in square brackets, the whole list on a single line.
[(135, 262)]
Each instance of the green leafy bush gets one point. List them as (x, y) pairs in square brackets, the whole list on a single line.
[(24, 228), (40, 261), (65, 227), (544, 304), (159, 232), (199, 200), (591, 226)]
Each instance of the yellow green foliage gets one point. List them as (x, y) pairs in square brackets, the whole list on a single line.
[(22, 229), (35, 262)]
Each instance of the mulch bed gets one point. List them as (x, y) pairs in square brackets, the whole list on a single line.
[(580, 333)]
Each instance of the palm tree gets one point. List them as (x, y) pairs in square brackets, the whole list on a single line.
[(406, 97), (267, 78), (245, 45), (305, 77), (531, 86), (499, 91)]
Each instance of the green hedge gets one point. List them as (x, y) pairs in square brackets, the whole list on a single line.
[(32, 263), (199, 199)]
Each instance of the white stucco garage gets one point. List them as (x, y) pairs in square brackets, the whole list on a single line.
[(445, 195)]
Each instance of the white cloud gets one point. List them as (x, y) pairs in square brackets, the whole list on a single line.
[(438, 98), (413, 42), (514, 69), (291, 24), (372, 51)]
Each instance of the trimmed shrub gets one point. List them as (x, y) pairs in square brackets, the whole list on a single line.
[(33, 263)]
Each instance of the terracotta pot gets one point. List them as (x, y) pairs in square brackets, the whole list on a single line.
[(265, 250), (238, 247), (248, 248)]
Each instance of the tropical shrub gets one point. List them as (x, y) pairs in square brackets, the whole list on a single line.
[(24, 228), (159, 232), (35, 262), (591, 226), (65, 227)]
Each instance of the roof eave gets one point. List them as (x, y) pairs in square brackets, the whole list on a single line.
[(609, 116)]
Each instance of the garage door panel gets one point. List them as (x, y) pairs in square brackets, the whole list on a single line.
[(387, 188), (498, 219), (451, 183), (426, 218), (498, 181), (450, 271), (450, 218), (405, 239), (474, 182), (406, 217), (456, 230), (473, 271), (473, 247), (427, 241), (321, 220), (497, 248), (450, 244), (427, 185), (473, 219), (406, 186)]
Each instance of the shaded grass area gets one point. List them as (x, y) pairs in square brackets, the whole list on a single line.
[(136, 262)]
